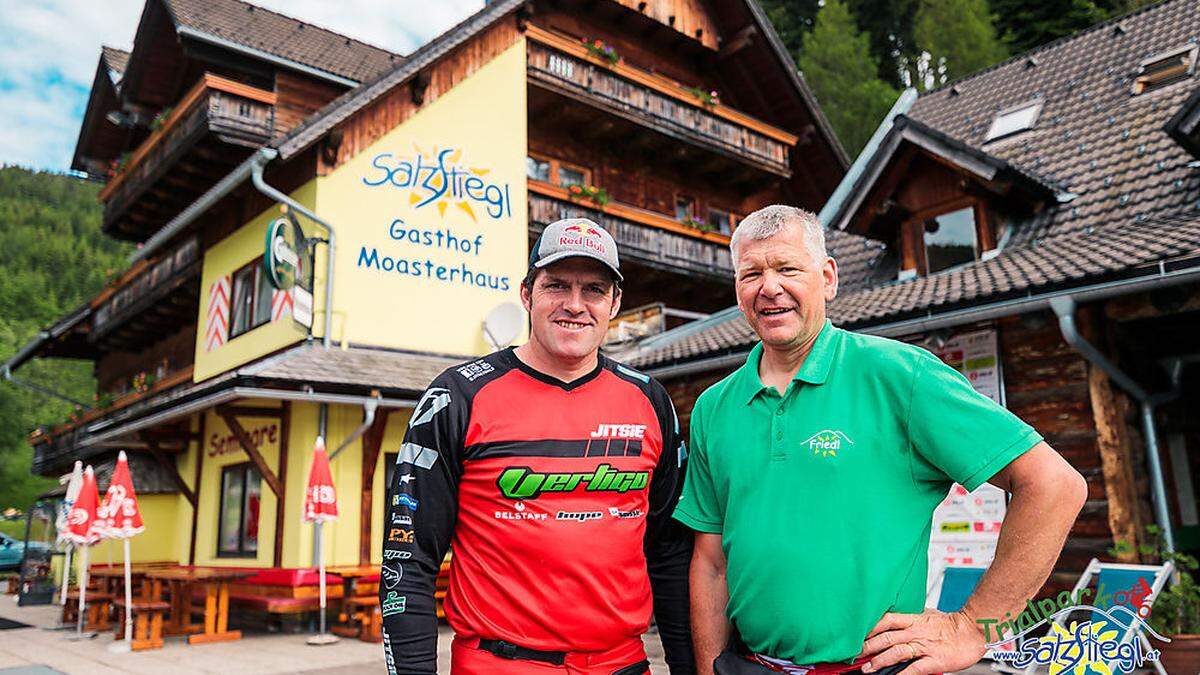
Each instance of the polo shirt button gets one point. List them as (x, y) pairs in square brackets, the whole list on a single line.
[(779, 435), (779, 410)]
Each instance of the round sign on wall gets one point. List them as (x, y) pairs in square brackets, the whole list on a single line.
[(285, 255)]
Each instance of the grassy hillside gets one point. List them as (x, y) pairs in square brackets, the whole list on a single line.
[(52, 258)]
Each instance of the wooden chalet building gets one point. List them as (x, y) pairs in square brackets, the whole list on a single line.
[(411, 187), (1036, 224)]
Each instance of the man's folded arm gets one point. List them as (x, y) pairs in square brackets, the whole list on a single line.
[(421, 511)]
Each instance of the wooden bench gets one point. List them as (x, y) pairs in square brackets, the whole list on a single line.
[(362, 619), (99, 607), (147, 622)]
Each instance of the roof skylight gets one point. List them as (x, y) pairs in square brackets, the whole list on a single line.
[(1014, 120)]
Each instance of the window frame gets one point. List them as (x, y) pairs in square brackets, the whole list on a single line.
[(258, 276), (1036, 104), (241, 552), (1143, 83), (555, 164), (729, 214), (914, 261), (679, 196)]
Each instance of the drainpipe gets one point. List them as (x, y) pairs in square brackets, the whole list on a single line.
[(1064, 307), (369, 408), (40, 389), (261, 158)]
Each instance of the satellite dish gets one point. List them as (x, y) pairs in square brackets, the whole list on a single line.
[(502, 325)]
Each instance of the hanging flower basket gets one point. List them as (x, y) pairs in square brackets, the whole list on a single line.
[(699, 224)]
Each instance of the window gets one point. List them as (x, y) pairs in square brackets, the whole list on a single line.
[(569, 175), (721, 221), (950, 240), (241, 490), (1014, 120), (1166, 68), (252, 293), (685, 208), (537, 169), (555, 171)]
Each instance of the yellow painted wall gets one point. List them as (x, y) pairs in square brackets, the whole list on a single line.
[(392, 438), (221, 450), (455, 168), (225, 258)]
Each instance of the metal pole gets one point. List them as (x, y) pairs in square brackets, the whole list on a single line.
[(1158, 488), (321, 571), (128, 599), (83, 581), (66, 575)]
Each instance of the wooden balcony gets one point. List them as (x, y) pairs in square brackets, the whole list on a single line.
[(153, 299), (656, 103), (642, 236), (213, 127)]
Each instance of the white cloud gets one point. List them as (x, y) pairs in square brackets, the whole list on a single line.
[(49, 50)]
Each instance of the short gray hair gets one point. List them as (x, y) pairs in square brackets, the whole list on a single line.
[(771, 220)]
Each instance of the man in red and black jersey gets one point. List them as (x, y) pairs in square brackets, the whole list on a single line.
[(553, 471)]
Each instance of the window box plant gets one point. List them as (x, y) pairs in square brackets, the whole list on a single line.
[(602, 50), (597, 195), (1176, 612)]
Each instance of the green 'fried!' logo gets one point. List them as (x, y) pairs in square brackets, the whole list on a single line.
[(521, 482)]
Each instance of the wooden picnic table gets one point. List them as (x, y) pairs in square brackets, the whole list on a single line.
[(180, 582), (112, 579), (350, 575)]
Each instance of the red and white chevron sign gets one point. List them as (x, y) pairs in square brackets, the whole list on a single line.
[(281, 304), (216, 328)]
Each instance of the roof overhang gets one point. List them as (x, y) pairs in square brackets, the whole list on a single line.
[(904, 130)]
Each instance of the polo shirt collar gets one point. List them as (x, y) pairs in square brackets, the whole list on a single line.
[(814, 370)]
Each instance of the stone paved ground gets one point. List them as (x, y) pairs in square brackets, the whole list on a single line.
[(40, 650)]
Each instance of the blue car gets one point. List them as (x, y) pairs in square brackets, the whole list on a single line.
[(12, 551)]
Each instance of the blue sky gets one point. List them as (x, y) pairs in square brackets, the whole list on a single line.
[(49, 50)]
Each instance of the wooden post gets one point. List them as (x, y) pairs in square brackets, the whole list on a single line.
[(285, 419), (196, 491), (372, 442), (1112, 439)]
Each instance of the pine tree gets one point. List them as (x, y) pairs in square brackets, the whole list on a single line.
[(837, 64), (792, 19), (1025, 24), (959, 37), (889, 27)]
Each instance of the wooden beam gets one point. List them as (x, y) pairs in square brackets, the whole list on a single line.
[(1109, 410), (196, 484), (372, 441), (285, 418), (168, 465), (256, 457), (740, 40)]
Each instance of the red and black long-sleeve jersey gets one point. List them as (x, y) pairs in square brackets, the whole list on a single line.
[(557, 498)]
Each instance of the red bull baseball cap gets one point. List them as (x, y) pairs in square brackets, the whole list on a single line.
[(575, 237)]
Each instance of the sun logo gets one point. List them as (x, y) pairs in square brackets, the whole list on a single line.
[(1075, 649), (827, 443)]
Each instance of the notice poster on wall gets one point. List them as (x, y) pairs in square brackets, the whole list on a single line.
[(966, 525)]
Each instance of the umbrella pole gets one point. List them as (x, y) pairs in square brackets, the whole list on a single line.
[(62, 600), (321, 571), (83, 582), (128, 599)]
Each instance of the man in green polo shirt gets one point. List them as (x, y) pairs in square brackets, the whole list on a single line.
[(814, 472)]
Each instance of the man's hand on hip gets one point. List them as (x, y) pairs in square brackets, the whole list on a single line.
[(938, 642)]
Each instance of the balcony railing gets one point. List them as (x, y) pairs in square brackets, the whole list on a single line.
[(643, 236), (656, 101), (144, 286), (237, 113)]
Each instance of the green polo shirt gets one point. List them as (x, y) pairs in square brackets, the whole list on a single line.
[(823, 497)]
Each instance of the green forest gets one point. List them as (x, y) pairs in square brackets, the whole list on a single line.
[(857, 55), (54, 258)]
